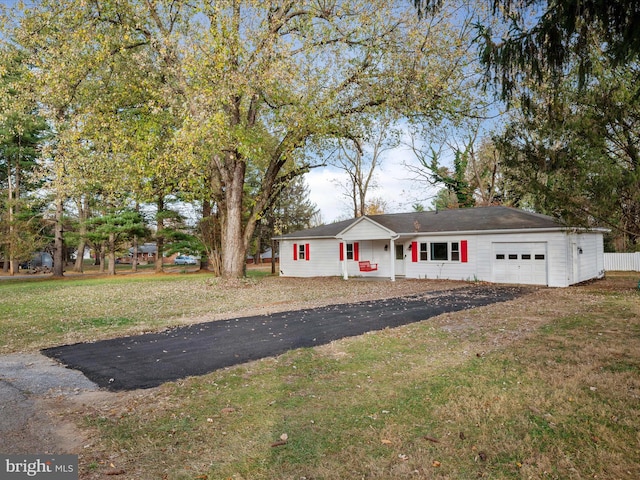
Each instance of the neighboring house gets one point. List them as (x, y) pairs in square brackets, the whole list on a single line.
[(146, 254), (493, 244), (265, 257)]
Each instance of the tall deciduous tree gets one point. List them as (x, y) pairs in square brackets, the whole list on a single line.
[(360, 157), (251, 84), (434, 168), (468, 168), (453, 179)]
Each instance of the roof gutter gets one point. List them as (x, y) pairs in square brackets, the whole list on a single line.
[(505, 231), (468, 232)]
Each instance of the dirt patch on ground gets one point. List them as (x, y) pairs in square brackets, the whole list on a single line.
[(43, 417), (33, 392)]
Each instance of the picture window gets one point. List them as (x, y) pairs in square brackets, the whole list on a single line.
[(440, 251)]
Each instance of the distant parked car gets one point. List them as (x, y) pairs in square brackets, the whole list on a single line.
[(184, 260), (41, 261)]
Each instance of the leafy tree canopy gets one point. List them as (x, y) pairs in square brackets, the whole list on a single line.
[(542, 37)]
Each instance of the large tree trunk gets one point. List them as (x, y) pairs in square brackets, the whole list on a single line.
[(101, 257), (112, 253), (234, 246), (13, 266), (83, 213), (58, 252), (78, 266), (210, 234), (134, 258), (160, 235), (236, 230)]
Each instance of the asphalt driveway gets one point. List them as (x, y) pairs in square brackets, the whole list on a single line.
[(148, 360)]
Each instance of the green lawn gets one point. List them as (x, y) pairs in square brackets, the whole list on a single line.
[(545, 386)]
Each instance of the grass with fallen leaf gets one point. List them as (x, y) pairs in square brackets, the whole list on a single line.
[(39, 313), (547, 385)]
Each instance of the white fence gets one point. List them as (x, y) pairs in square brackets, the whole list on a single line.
[(628, 262)]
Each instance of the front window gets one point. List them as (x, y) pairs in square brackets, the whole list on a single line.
[(455, 252), (301, 251), (349, 251), (423, 252), (440, 251)]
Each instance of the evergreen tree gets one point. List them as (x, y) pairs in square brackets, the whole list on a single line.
[(22, 132), (576, 154)]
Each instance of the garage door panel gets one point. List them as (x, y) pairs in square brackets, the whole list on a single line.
[(522, 263)]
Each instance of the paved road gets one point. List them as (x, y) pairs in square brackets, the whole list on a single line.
[(148, 360), (23, 378)]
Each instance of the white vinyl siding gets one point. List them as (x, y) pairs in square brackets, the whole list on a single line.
[(563, 264), (586, 257), (323, 259)]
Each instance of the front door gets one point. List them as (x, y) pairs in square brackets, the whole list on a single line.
[(399, 266)]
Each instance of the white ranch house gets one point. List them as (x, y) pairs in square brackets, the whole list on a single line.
[(493, 244)]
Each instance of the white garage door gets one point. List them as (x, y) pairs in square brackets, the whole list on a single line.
[(524, 263)]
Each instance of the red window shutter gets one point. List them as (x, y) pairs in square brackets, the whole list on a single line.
[(463, 252), (306, 251), (341, 251), (356, 251), (414, 251), (295, 251)]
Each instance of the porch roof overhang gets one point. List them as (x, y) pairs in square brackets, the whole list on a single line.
[(364, 228)]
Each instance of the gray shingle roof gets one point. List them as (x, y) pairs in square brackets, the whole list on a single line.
[(455, 220)]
